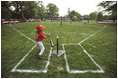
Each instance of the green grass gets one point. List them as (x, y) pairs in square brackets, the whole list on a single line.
[(102, 47)]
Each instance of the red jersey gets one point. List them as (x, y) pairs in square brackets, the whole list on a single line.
[(40, 36)]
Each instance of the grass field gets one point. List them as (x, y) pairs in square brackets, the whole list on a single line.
[(101, 47)]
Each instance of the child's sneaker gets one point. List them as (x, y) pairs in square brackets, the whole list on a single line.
[(39, 56)]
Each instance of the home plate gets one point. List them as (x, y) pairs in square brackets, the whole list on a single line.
[(60, 52)]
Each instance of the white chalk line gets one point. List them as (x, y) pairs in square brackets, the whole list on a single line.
[(92, 35), (48, 62), (22, 59), (32, 70), (93, 46), (84, 34), (22, 34), (85, 38), (28, 70), (65, 32), (71, 32), (82, 71), (65, 57), (91, 58), (86, 71)]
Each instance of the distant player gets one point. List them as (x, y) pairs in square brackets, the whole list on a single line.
[(40, 35)]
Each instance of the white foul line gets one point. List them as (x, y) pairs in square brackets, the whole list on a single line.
[(83, 71), (22, 34), (92, 35)]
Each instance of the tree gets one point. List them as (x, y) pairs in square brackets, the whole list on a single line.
[(73, 15), (52, 11), (93, 15), (111, 7), (86, 17), (41, 11), (5, 12), (107, 17), (32, 13), (23, 8), (78, 15), (100, 15)]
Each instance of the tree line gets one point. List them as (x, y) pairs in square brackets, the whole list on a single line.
[(28, 9), (109, 6), (36, 9)]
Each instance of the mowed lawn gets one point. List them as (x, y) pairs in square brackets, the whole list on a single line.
[(102, 48)]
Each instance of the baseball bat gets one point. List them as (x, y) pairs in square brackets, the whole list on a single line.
[(51, 43)]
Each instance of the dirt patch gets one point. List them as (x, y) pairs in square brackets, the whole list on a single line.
[(60, 68)]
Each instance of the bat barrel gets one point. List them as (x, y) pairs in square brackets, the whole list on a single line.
[(52, 45)]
